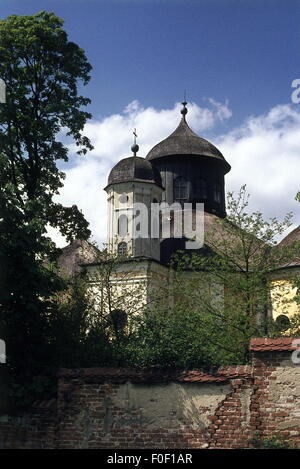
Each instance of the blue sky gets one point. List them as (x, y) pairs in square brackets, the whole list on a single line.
[(235, 59), (151, 50)]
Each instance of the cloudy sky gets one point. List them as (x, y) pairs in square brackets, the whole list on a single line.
[(236, 59), (264, 153)]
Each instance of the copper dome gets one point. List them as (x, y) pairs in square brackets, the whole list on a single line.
[(136, 169), (183, 141)]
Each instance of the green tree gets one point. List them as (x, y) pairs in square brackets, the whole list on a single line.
[(78, 337), (202, 315), (42, 70), (97, 315), (221, 294)]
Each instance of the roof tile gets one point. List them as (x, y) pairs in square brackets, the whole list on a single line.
[(146, 375), (265, 344)]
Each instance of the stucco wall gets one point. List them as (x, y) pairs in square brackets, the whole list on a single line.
[(171, 404), (134, 414), (282, 295)]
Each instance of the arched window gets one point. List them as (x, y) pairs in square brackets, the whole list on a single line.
[(136, 214), (122, 225), (122, 248), (201, 188), (217, 192), (180, 189), (283, 322), (118, 319)]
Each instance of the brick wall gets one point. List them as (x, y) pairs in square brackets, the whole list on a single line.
[(35, 429), (125, 408), (275, 406)]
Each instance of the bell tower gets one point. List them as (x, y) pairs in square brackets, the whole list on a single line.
[(133, 185)]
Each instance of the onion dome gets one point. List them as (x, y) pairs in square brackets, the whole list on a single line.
[(134, 169), (183, 141)]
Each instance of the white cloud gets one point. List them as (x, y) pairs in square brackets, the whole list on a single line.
[(223, 111), (264, 153)]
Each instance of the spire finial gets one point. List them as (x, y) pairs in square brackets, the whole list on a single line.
[(184, 110), (135, 147)]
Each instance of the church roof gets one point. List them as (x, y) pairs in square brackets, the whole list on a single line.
[(72, 257), (183, 141), (292, 237), (134, 168), (292, 240)]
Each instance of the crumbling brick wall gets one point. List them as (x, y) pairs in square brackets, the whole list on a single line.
[(115, 408), (126, 408), (35, 429), (275, 404)]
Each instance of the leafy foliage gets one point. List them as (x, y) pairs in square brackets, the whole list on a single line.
[(41, 69), (276, 441), (205, 313), (228, 285)]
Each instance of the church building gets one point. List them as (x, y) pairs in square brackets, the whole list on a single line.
[(183, 170)]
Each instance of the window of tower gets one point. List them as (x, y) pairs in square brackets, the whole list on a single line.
[(217, 192), (118, 319), (180, 189), (123, 198), (201, 188), (122, 248), (122, 225)]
